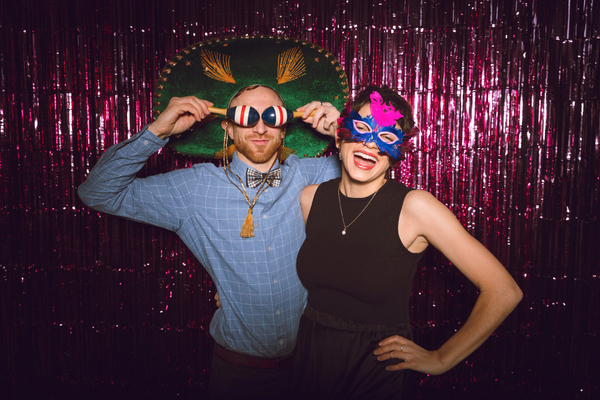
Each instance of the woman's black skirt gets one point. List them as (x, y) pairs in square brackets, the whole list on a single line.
[(334, 359)]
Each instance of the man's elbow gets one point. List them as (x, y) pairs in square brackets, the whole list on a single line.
[(88, 198), (84, 195)]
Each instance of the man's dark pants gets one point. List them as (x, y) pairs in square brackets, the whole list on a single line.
[(230, 382)]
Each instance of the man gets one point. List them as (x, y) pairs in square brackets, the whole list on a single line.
[(261, 296)]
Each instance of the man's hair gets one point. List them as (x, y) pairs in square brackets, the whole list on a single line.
[(252, 87), (389, 96)]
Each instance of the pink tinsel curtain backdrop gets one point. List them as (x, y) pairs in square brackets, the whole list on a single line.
[(505, 94)]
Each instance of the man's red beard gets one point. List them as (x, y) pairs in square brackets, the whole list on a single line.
[(260, 155)]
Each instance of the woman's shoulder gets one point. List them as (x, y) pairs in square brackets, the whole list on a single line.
[(426, 208), (419, 201), (310, 190), (420, 194)]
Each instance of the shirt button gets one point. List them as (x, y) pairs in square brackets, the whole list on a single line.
[(265, 216), (270, 248), (281, 342), (278, 312), (274, 280), (145, 142)]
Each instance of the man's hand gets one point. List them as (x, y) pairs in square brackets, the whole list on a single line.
[(325, 118), (217, 300), (179, 116)]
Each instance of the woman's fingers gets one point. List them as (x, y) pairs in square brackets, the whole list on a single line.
[(324, 118)]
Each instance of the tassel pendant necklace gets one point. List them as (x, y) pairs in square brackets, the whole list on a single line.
[(248, 226)]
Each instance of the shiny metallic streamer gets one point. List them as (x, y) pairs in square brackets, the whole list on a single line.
[(506, 97)]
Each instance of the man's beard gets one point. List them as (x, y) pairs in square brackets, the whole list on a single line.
[(257, 156)]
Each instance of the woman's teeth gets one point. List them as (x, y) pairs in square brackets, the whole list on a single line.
[(365, 156)]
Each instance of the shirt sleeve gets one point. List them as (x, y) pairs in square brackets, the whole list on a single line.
[(112, 186), (321, 169)]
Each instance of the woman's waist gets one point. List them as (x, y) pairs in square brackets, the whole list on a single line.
[(348, 322)]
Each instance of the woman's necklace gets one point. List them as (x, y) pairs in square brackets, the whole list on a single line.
[(342, 212)]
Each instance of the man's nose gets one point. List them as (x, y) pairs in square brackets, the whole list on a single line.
[(260, 127)]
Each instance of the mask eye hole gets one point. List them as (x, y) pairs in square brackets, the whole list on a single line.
[(387, 137), (361, 127)]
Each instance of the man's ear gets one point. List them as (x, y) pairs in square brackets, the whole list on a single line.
[(338, 141), (225, 125)]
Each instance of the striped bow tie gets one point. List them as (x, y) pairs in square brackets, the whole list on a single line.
[(254, 178)]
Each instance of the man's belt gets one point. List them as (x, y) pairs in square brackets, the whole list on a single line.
[(242, 360)]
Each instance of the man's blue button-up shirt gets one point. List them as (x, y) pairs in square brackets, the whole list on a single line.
[(261, 296)]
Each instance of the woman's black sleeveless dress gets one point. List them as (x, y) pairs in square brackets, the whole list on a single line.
[(359, 287)]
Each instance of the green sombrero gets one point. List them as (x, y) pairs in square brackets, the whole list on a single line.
[(216, 69)]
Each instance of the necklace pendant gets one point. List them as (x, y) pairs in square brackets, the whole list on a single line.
[(359, 214)]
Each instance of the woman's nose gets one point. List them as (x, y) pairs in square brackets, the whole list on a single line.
[(371, 145)]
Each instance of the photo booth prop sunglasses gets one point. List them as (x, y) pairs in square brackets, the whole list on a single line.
[(247, 116)]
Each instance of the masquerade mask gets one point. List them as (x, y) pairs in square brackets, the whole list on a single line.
[(379, 127)]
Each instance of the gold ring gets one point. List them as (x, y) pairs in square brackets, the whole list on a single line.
[(401, 348)]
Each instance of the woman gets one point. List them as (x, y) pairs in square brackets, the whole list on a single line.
[(365, 236)]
